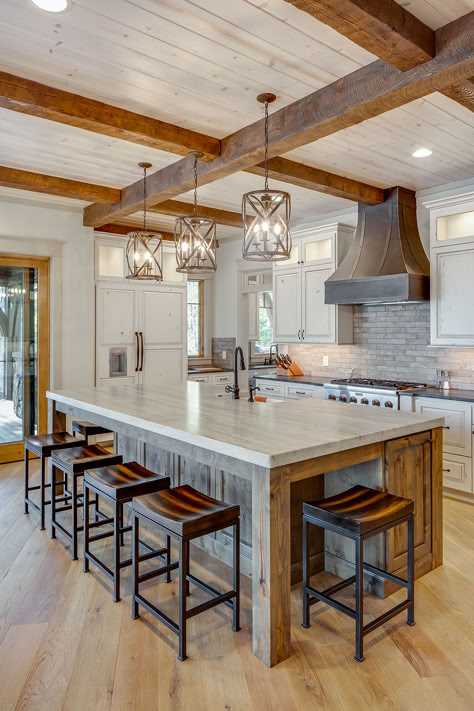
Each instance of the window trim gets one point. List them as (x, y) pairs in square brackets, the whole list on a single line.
[(201, 316)]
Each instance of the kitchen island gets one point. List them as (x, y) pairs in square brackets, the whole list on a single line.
[(269, 458)]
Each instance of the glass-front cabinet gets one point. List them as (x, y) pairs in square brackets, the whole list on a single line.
[(111, 261)]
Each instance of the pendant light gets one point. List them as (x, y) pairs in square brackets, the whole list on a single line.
[(195, 237), (145, 249), (266, 214)]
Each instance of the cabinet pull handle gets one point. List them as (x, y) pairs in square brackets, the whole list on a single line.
[(300, 392), (299, 334), (446, 470), (137, 368), (302, 335), (446, 427), (141, 339)]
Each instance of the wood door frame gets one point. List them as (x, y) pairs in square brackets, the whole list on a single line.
[(14, 451)]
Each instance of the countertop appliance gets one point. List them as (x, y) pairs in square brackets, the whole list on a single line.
[(367, 391)]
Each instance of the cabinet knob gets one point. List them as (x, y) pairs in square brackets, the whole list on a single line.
[(446, 427)]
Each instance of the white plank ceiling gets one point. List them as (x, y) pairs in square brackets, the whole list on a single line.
[(200, 64)]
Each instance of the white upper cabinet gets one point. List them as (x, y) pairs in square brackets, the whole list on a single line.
[(452, 269), (300, 314)]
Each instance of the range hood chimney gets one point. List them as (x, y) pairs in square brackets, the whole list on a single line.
[(386, 261)]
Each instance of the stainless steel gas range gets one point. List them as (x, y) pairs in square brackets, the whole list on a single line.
[(364, 391)]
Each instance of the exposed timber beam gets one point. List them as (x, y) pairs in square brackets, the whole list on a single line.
[(175, 207), (29, 97), (62, 187), (119, 229), (368, 92), (320, 180), (385, 29)]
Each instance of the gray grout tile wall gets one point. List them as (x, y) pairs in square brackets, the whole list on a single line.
[(390, 341), (219, 345)]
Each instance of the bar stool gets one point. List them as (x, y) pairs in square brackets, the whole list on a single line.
[(185, 514), (42, 446), (88, 429), (119, 484), (74, 462), (359, 513)]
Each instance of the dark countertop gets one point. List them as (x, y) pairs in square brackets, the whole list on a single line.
[(441, 394), (204, 371), (304, 379), (261, 366)]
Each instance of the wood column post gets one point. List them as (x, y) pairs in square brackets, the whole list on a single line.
[(271, 527)]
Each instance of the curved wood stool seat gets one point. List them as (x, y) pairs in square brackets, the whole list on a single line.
[(359, 513), (42, 446), (73, 462), (185, 513), (88, 429), (118, 484)]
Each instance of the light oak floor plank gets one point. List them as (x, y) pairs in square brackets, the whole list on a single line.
[(65, 646)]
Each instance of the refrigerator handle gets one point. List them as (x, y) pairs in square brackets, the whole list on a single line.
[(141, 339), (137, 368)]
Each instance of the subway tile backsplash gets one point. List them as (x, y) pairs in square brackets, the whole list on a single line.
[(390, 341)]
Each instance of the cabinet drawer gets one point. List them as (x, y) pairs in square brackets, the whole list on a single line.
[(199, 378), (224, 378), (295, 392), (457, 424), (272, 388), (457, 473)]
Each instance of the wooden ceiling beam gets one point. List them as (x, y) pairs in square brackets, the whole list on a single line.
[(62, 187), (368, 92), (383, 28), (305, 176), (176, 208), (30, 97), (119, 229)]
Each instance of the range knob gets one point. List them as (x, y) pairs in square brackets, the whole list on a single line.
[(389, 404), (353, 399), (364, 401), (376, 403), (331, 397), (342, 398)]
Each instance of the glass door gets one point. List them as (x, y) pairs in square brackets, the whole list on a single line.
[(24, 351)]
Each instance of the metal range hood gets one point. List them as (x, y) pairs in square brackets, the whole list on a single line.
[(386, 261)]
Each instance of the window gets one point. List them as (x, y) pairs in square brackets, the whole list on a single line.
[(195, 318), (265, 322)]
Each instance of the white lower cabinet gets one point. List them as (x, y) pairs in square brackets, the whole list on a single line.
[(457, 473), (289, 391), (271, 388)]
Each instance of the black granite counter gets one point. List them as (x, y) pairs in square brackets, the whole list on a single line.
[(441, 394)]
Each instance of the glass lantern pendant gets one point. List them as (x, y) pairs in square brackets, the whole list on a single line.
[(195, 238), (266, 215), (145, 249)]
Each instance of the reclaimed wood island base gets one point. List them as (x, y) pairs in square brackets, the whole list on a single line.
[(269, 458)]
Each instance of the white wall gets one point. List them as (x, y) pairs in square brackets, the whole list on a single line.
[(59, 234)]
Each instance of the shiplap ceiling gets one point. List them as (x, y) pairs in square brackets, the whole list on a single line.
[(200, 65)]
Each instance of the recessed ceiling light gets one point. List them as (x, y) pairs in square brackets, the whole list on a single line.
[(52, 5), (422, 153)]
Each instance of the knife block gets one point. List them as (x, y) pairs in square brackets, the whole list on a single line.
[(282, 371), (295, 369)]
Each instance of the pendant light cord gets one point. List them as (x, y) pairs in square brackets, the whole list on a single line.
[(144, 199), (195, 186), (266, 145)]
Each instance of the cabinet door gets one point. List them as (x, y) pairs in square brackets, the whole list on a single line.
[(318, 320), (452, 291), (318, 249), (457, 422), (116, 325), (408, 474), (162, 318), (165, 365), (287, 306), (295, 257)]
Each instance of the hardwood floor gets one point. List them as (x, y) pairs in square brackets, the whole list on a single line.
[(65, 645)]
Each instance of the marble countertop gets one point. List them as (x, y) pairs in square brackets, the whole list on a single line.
[(441, 394), (266, 434)]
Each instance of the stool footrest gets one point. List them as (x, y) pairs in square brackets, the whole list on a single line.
[(101, 566), (217, 600), (329, 601), (386, 575), (205, 588), (386, 616), (160, 615), (159, 571)]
